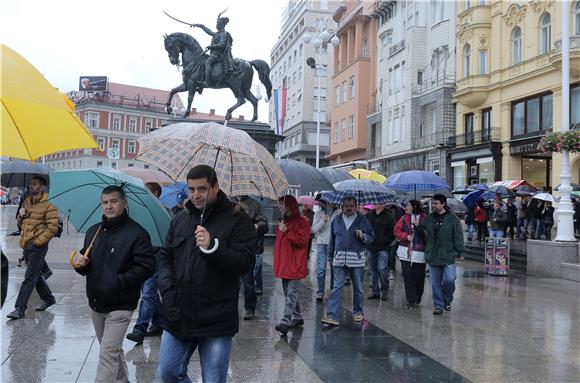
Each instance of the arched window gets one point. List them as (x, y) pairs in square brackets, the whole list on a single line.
[(466, 60), (577, 18), (517, 45), (545, 33)]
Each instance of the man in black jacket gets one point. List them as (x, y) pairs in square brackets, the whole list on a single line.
[(120, 260), (208, 247), (383, 224)]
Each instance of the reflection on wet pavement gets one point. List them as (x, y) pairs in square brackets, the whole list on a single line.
[(501, 329)]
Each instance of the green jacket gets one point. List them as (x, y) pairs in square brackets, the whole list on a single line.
[(450, 243)]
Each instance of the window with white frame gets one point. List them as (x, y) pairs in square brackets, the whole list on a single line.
[(115, 143), (397, 80), (336, 95), (466, 60), (351, 126), (516, 45), (343, 130), (320, 92), (116, 122), (336, 133), (365, 48), (321, 71), (92, 120), (343, 91), (148, 125), (352, 87), (101, 143), (545, 33), (99, 163), (483, 61), (131, 147), (132, 125)]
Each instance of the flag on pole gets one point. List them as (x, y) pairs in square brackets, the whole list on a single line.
[(280, 107)]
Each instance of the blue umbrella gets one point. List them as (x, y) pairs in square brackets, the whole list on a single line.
[(416, 181), (169, 193), (365, 191), (77, 194), (471, 199)]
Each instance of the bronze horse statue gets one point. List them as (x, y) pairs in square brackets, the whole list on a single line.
[(193, 60)]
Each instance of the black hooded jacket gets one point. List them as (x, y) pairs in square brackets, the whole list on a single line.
[(384, 227), (120, 261), (200, 291)]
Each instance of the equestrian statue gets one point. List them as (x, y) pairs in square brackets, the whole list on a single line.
[(216, 70)]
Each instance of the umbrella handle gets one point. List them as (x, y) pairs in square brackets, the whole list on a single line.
[(87, 253)]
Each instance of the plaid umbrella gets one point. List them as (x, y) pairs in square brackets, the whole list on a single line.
[(416, 181), (365, 191), (243, 166)]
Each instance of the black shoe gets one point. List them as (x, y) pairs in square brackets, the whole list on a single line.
[(135, 337), (44, 305), (258, 291), (282, 329), (438, 312), (16, 314), (297, 323), (347, 281), (409, 306), (319, 298), (154, 331), (249, 315), (418, 302), (447, 307), (373, 296), (384, 297)]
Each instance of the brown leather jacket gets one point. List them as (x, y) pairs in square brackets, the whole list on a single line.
[(40, 223)]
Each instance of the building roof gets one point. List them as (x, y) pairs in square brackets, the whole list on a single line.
[(145, 95)]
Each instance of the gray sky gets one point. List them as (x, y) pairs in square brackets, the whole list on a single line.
[(123, 40)]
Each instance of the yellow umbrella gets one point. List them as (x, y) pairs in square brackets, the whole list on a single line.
[(365, 174), (36, 118)]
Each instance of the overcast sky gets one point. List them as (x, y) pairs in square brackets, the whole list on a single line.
[(123, 40)]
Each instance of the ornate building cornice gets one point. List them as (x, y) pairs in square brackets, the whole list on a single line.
[(464, 33), (540, 6), (514, 15)]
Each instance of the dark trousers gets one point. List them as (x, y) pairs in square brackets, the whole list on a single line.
[(34, 257), (250, 298), (481, 230), (393, 256), (414, 278)]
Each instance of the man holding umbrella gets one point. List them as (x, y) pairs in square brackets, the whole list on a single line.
[(116, 259), (208, 247)]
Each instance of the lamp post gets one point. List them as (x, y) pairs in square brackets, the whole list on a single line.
[(323, 37), (565, 212)]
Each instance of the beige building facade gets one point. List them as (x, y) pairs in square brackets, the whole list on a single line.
[(509, 90)]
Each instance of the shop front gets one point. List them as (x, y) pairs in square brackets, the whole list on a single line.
[(471, 166), (535, 166)]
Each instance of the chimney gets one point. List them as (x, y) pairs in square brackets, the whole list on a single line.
[(212, 112), (193, 110), (241, 118)]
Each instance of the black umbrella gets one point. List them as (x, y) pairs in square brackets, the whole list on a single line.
[(526, 189), (17, 173), (575, 187), (505, 192), (335, 175), (303, 177)]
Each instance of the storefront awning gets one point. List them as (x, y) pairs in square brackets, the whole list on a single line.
[(485, 160), (457, 164)]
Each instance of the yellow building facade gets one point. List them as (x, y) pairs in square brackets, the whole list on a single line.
[(509, 90)]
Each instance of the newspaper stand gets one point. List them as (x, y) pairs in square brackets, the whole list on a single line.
[(497, 256)]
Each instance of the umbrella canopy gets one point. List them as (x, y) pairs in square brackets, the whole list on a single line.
[(243, 166), (77, 194), (512, 184), (416, 181), (307, 200), (525, 189), (545, 197), (148, 175), (456, 206), (335, 175), (575, 187), (471, 199), (406, 197), (364, 174), (365, 191), (169, 193), (463, 190), (303, 177), (35, 116), (504, 191), (18, 173)]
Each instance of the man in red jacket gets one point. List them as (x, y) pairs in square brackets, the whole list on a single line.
[(291, 260)]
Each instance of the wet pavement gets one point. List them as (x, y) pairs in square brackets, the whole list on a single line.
[(501, 329)]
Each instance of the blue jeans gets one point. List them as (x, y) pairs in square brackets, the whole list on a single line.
[(149, 308), (322, 258), (470, 231), (174, 355), (442, 284), (519, 226), (356, 275), (258, 271), (497, 233), (539, 228), (379, 266), (548, 231)]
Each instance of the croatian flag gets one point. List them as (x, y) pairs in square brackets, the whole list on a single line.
[(280, 107)]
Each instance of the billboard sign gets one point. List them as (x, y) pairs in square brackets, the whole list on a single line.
[(93, 83)]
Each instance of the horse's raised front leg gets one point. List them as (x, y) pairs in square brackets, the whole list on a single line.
[(179, 89), (241, 101)]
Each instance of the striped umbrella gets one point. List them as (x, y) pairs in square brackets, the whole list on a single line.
[(243, 166), (365, 191)]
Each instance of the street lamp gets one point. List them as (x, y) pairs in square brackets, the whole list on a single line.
[(322, 38)]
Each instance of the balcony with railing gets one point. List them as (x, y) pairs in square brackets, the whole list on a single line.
[(429, 84), (475, 138)]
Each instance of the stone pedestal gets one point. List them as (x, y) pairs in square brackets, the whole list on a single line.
[(553, 259)]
